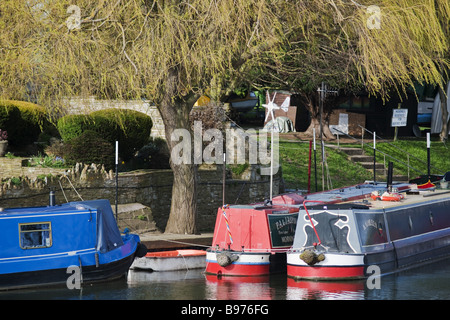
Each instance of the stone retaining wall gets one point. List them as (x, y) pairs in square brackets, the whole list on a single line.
[(152, 188)]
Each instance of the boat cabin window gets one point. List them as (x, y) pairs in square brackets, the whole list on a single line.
[(35, 235)]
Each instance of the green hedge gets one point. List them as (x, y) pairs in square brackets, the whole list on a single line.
[(72, 126), (89, 148), (131, 128), (24, 121)]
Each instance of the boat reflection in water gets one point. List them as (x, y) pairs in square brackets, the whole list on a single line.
[(140, 277), (239, 288), (325, 290)]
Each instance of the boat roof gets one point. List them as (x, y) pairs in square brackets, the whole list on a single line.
[(353, 192), (108, 234), (412, 199), (63, 208)]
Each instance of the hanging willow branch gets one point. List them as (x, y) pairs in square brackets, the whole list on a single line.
[(125, 49)]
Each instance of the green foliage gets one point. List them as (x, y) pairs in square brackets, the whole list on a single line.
[(154, 155), (47, 162), (131, 128), (73, 126), (239, 169), (89, 148), (24, 122)]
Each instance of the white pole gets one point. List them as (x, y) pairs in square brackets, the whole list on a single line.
[(374, 140), (314, 138)]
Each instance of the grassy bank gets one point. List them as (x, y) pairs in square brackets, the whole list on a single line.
[(413, 152), (294, 158)]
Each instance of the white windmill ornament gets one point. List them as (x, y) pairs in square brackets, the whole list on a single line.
[(273, 106)]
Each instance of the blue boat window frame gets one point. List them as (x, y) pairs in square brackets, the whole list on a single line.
[(44, 239)]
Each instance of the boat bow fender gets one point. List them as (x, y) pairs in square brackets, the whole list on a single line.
[(141, 250), (311, 258), (225, 258)]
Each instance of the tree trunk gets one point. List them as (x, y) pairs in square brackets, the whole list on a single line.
[(311, 103), (326, 132), (175, 115), (444, 117), (183, 208)]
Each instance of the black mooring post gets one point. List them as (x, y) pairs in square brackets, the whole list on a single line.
[(428, 156), (117, 177), (223, 177), (390, 175)]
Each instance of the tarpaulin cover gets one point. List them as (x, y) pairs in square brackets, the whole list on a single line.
[(108, 234)]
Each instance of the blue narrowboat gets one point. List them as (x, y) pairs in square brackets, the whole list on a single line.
[(52, 245)]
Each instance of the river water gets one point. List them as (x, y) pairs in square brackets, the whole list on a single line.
[(428, 282)]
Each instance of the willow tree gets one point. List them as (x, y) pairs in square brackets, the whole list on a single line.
[(356, 46), (167, 51), (172, 51)]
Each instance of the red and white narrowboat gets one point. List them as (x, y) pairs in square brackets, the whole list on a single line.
[(251, 240)]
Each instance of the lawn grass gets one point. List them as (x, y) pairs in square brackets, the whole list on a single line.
[(414, 153), (294, 159)]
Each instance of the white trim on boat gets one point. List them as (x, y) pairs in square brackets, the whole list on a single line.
[(68, 253), (331, 260)]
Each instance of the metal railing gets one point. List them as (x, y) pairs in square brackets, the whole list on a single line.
[(396, 147), (407, 165)]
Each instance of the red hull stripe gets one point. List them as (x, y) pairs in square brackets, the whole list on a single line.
[(307, 272), (235, 269)]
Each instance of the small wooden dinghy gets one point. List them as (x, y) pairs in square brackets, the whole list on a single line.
[(171, 260)]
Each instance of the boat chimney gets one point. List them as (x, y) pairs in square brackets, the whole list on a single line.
[(52, 198)]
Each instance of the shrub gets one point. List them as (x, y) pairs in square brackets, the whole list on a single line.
[(89, 148), (72, 126), (24, 121), (154, 155), (131, 128)]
